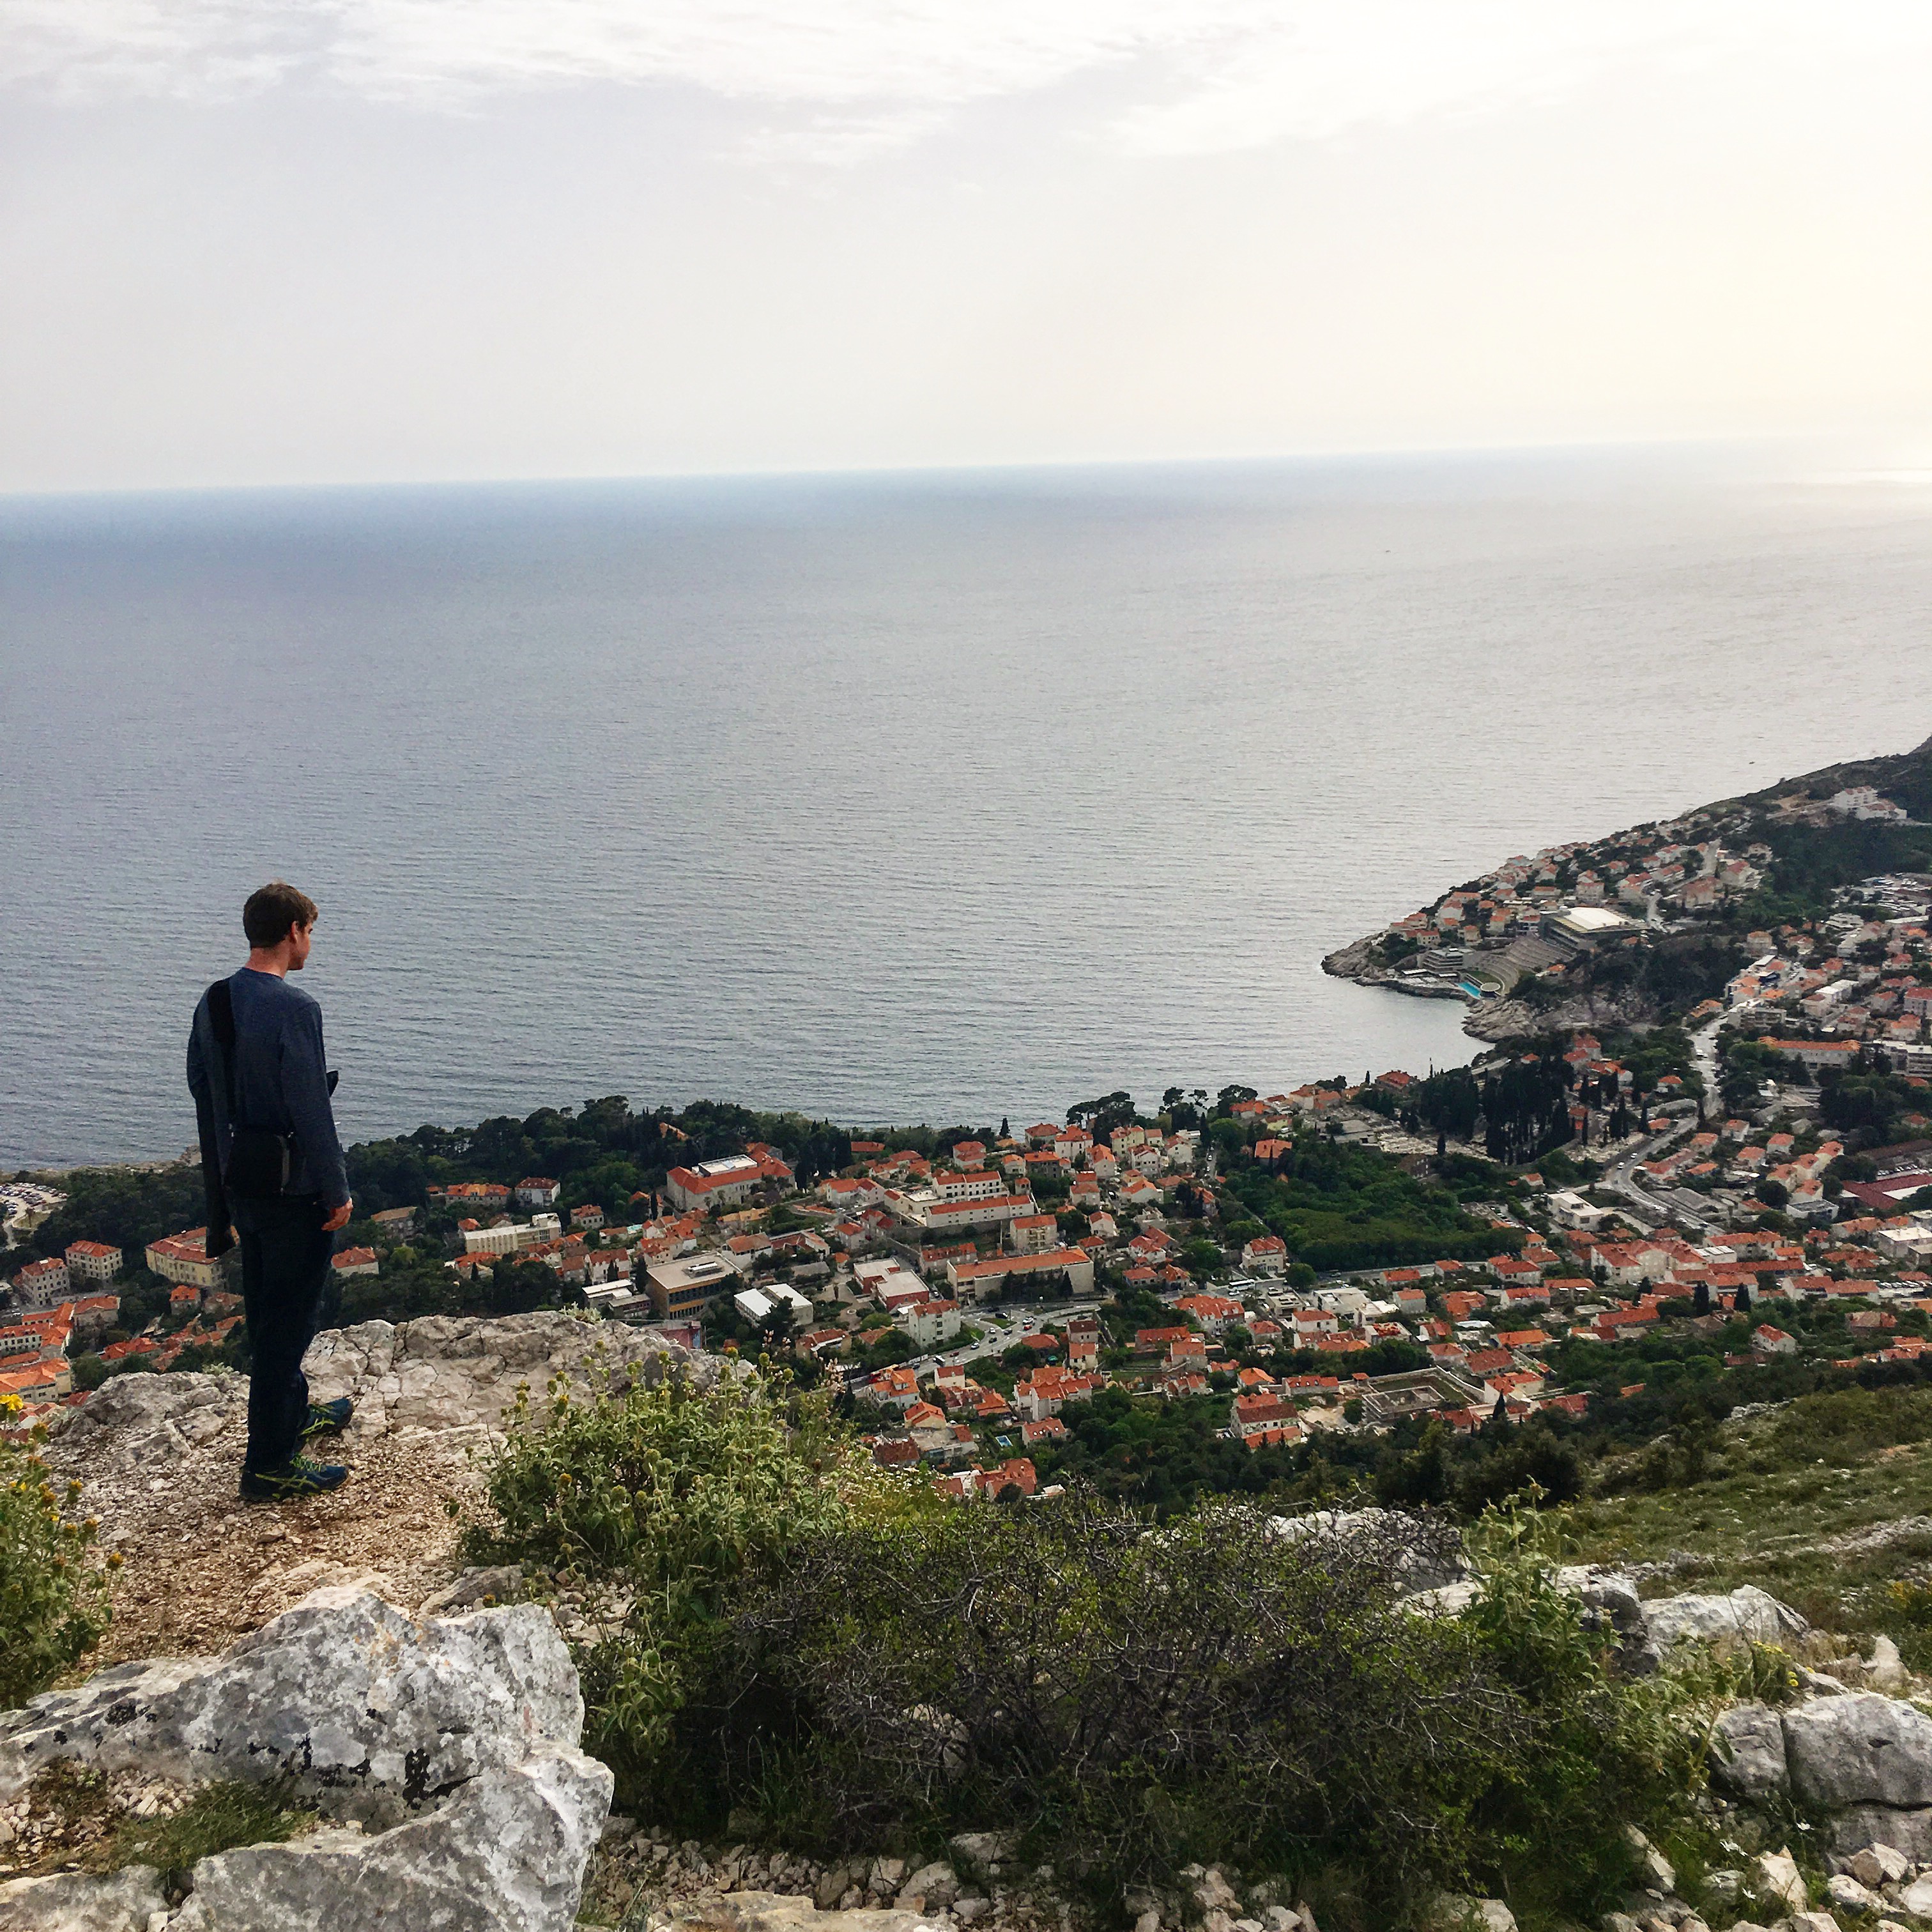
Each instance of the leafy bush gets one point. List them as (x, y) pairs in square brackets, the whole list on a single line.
[(1129, 1695), (1602, 1751), (53, 1601), (664, 1498), (787, 1636)]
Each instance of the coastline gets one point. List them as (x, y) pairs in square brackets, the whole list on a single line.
[(1491, 1021)]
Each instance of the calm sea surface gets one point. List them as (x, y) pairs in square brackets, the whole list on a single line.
[(937, 798)]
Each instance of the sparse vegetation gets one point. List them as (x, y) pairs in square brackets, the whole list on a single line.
[(1823, 1502), (53, 1595), (812, 1651), (660, 1502), (83, 1824)]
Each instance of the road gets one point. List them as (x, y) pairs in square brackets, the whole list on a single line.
[(1653, 1205), (999, 1330)]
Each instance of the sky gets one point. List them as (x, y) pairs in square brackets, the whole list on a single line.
[(275, 241)]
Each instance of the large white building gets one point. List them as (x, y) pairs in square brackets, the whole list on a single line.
[(982, 1280), (926, 1208), (506, 1237), (41, 1284), (92, 1261), (728, 1183), (183, 1259), (759, 1304)]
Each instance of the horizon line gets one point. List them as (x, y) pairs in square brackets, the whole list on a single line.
[(1038, 466)]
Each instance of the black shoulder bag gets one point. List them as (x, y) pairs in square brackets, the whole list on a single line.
[(259, 1159)]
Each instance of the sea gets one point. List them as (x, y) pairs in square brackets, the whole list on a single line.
[(945, 796)]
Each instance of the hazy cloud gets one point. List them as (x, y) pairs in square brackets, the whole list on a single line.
[(857, 75)]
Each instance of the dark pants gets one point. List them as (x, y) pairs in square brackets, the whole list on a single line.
[(286, 1276)]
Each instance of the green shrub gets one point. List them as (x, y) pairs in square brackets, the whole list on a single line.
[(1603, 1750), (1128, 1695), (53, 1599), (793, 1638), (1131, 1696), (1763, 1673), (664, 1498), (1845, 1426)]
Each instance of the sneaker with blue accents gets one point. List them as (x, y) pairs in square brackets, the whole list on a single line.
[(298, 1477)]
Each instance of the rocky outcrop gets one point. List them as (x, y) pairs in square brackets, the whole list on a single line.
[(1747, 1757), (129, 1901), (345, 1695), (442, 1752), (1747, 1615), (508, 1854), (158, 1457), (1645, 1631), (1359, 960), (441, 1375), (1424, 1554), (1862, 1749), (774, 1911), (1862, 1761)]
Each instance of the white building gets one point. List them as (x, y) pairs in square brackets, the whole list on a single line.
[(682, 1288), (183, 1260), (1864, 801), (41, 1284), (508, 1237), (928, 1324), (92, 1261)]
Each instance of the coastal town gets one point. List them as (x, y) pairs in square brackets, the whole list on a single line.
[(1576, 1225)]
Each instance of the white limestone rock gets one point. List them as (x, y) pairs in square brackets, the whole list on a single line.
[(507, 1854), (345, 1694), (774, 1911), (1458, 1911), (441, 1375), (983, 1853), (1747, 1614), (1775, 1875), (454, 1739), (1884, 1669), (133, 1425), (1654, 1869), (1875, 1865), (1859, 1749), (1848, 1895), (1813, 1922), (1916, 1898), (125, 1901), (932, 1888), (1879, 1826), (1748, 1756)]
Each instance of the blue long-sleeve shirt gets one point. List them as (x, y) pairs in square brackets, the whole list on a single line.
[(281, 1078)]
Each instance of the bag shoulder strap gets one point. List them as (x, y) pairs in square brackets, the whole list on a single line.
[(221, 1018)]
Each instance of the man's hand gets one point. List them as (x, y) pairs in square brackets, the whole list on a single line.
[(340, 1218)]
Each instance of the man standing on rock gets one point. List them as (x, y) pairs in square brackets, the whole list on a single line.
[(270, 1159)]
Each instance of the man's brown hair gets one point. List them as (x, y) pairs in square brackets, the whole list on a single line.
[(272, 911)]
